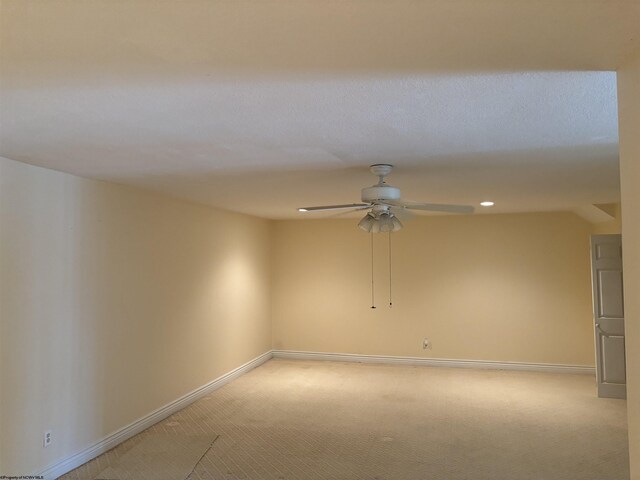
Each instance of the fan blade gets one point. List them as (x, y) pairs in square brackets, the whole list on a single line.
[(440, 207), (347, 212), (333, 207), (403, 214), (431, 207)]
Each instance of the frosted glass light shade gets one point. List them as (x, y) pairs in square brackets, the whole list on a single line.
[(367, 222), (384, 222)]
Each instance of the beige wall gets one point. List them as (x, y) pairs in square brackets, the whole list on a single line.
[(629, 113), (115, 302), (611, 227), (487, 287)]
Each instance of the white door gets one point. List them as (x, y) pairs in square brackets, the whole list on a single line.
[(608, 314)]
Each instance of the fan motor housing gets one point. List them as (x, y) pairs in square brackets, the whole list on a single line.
[(380, 193)]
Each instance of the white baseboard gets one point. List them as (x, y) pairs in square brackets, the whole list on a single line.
[(436, 362), (110, 441)]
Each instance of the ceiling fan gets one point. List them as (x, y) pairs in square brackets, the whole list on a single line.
[(383, 202)]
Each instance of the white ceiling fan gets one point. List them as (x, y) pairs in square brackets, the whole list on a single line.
[(384, 202)]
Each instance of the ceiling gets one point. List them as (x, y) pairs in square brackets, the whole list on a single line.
[(263, 106)]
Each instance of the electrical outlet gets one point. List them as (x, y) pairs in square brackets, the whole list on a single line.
[(426, 344), (46, 441)]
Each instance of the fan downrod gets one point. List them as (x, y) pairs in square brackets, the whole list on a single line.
[(381, 170)]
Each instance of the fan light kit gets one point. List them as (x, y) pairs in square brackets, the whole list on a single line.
[(384, 222), (384, 202)]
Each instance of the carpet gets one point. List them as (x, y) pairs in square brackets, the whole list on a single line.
[(160, 457), (313, 420)]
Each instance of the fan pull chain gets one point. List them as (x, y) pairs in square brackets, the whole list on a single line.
[(390, 302), (373, 303)]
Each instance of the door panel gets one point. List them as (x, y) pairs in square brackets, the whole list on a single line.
[(607, 251), (610, 294), (613, 368)]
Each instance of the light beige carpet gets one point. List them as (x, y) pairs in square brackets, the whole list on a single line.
[(161, 456), (329, 420)]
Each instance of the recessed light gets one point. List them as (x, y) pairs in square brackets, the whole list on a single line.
[(487, 204), (302, 210)]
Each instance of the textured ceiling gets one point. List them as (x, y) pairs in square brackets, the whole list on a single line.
[(262, 106)]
